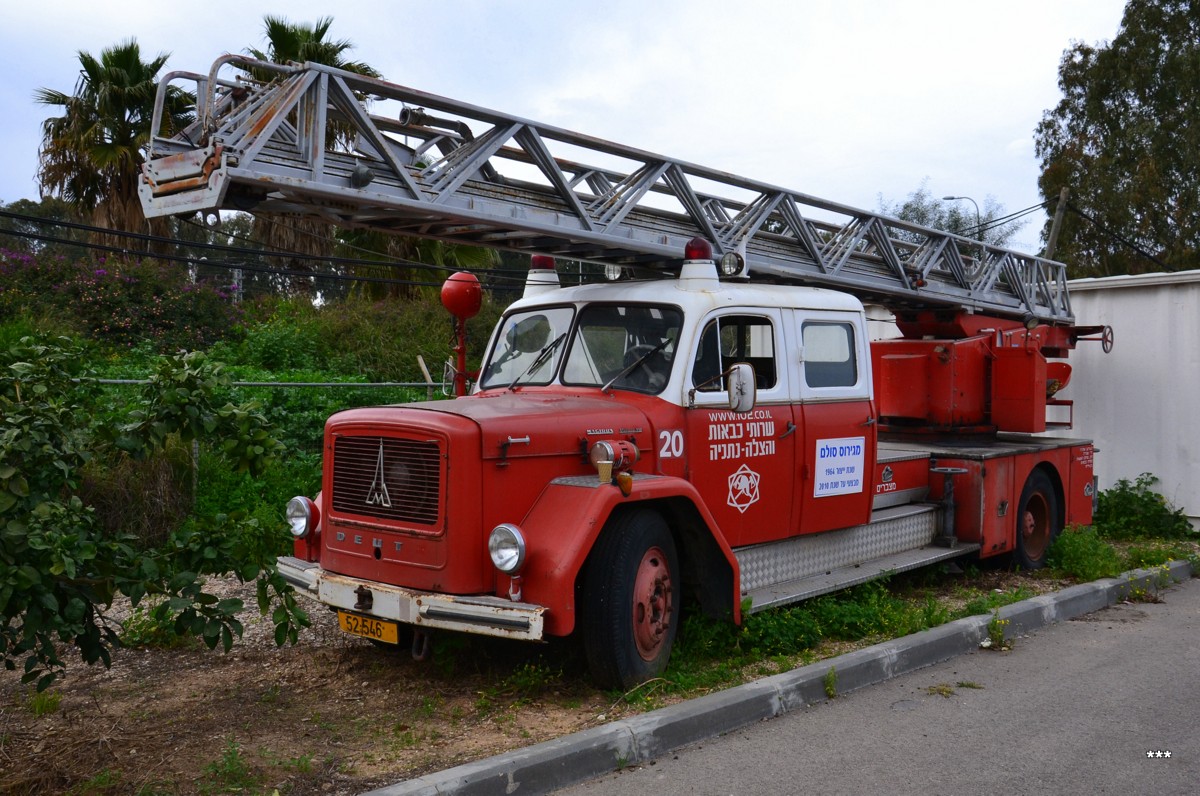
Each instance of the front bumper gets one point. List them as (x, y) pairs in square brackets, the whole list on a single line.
[(480, 614)]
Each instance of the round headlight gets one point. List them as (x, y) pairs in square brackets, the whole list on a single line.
[(506, 546), (301, 516), (601, 452)]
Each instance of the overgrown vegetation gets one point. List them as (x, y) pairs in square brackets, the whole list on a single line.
[(63, 566), (1134, 527), (111, 490)]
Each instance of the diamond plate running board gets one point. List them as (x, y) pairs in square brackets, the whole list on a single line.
[(897, 540)]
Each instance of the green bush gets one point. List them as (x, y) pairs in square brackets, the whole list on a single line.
[(61, 567), (380, 340), (1136, 511), (1081, 553)]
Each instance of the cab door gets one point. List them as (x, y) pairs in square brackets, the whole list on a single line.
[(742, 464), (837, 457)]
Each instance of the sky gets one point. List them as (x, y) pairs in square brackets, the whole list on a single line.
[(852, 101)]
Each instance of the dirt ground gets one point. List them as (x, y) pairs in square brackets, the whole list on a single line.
[(332, 715)]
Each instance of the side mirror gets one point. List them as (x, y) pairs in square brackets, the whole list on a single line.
[(740, 384)]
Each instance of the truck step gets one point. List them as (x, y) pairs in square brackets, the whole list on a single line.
[(897, 538), (845, 577)]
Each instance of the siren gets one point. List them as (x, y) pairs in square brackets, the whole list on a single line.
[(542, 276)]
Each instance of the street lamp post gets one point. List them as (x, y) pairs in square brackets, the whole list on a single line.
[(978, 220)]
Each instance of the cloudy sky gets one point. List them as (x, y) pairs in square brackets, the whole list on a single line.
[(848, 100)]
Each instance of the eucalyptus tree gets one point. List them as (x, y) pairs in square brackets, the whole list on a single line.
[(1125, 140)]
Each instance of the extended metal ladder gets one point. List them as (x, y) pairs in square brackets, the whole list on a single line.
[(315, 140)]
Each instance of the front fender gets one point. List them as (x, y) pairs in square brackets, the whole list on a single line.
[(564, 523)]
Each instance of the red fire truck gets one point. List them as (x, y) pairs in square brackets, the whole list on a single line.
[(721, 424)]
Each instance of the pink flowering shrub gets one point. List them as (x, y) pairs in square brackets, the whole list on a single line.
[(120, 303)]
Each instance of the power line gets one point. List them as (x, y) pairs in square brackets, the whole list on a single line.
[(1118, 237), (492, 279)]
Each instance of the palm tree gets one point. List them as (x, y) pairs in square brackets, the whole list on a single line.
[(91, 156), (289, 42)]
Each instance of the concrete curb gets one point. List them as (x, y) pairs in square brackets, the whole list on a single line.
[(550, 765)]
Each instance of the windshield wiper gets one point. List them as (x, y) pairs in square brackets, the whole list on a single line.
[(542, 356), (634, 365)]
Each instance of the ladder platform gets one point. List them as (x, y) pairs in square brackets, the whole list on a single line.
[(440, 168), (845, 577)]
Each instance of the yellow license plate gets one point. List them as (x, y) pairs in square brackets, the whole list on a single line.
[(365, 626)]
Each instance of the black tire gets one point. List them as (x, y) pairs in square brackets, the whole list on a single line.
[(630, 609), (1038, 523)]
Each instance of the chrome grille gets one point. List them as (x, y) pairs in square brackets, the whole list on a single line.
[(388, 478)]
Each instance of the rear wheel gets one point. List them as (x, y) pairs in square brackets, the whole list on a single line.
[(1037, 520), (631, 600)]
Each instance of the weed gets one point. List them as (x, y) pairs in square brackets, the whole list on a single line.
[(428, 707), (44, 703), (1156, 554), (941, 689), (1159, 580), (531, 679), (1081, 553), (320, 723), (995, 631), (968, 684), (933, 613), (230, 773), (830, 683), (987, 603), (106, 781), (271, 695)]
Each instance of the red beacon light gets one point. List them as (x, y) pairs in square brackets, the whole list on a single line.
[(542, 277), (697, 249)]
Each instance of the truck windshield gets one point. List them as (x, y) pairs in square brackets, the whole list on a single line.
[(529, 348), (629, 347)]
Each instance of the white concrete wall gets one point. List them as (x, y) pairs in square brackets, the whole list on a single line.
[(1141, 403)]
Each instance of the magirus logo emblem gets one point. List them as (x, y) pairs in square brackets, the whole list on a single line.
[(378, 495)]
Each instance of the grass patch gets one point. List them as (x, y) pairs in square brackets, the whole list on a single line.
[(230, 773), (43, 703)]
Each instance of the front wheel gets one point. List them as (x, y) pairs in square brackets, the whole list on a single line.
[(1037, 521), (630, 604)]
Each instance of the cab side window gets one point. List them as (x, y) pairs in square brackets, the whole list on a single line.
[(731, 339), (829, 356)]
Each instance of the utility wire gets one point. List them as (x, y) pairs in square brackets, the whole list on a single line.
[(1118, 237), (491, 279), (219, 247)]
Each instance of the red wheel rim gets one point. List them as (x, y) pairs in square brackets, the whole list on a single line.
[(651, 603), (1035, 526)]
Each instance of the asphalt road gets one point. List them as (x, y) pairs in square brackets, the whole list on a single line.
[(1089, 706)]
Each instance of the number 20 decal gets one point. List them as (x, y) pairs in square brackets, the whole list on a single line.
[(672, 444)]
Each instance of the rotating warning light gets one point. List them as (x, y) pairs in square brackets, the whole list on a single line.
[(541, 262), (697, 249)]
